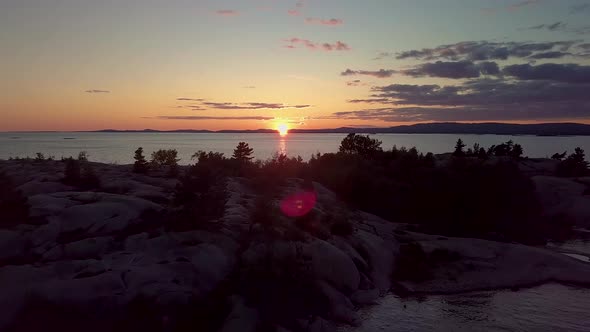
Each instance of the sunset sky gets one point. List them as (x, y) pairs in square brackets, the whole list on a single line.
[(249, 64)]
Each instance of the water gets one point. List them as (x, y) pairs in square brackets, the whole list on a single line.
[(550, 307), (118, 147)]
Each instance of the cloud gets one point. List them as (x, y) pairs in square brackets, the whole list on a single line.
[(550, 55), (369, 101), (579, 8), (449, 114), (97, 91), (560, 26), (522, 4), (484, 92), (189, 99), (200, 118), (332, 22), (294, 12), (485, 50), (551, 27), (227, 12), (355, 83), (338, 46), (567, 73), (381, 73), (456, 69), (250, 87), (205, 104)]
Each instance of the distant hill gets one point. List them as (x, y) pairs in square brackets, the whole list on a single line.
[(543, 129)]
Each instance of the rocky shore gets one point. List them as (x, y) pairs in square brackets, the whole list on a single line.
[(105, 259)]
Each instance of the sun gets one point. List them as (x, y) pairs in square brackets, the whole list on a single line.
[(283, 129)]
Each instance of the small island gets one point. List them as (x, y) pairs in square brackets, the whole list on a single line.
[(235, 244)]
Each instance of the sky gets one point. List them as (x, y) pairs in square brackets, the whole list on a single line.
[(249, 64)]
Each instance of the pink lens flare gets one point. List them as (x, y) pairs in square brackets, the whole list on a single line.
[(299, 204)]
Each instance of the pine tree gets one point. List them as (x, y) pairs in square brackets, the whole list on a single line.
[(243, 152), (140, 165), (459, 152)]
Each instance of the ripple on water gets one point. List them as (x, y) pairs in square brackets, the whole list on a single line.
[(550, 307)]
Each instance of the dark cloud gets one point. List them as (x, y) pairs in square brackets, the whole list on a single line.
[(456, 69), (484, 92), (189, 99), (550, 55), (205, 104), (522, 4), (369, 101), (567, 73), (468, 113), (332, 22), (381, 73), (227, 12), (97, 91), (485, 50), (551, 27), (337, 46), (355, 83), (559, 26), (579, 8), (196, 118), (585, 46)]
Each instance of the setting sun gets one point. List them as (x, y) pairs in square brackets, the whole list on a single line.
[(283, 129)]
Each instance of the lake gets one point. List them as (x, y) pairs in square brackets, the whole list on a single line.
[(550, 307), (119, 147)]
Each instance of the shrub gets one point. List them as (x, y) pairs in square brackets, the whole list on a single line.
[(140, 165), (459, 146), (14, 208), (83, 156), (167, 158), (80, 175), (359, 144), (39, 156), (559, 156), (243, 152), (574, 165), (72, 173)]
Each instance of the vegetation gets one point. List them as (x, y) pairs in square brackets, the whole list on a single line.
[(359, 144), (14, 208), (507, 149), (574, 165), (243, 152), (166, 158), (80, 173), (140, 165), (462, 197)]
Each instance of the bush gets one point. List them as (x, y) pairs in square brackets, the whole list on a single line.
[(166, 158), (359, 144), (140, 165), (72, 173), (574, 165), (14, 208), (80, 175)]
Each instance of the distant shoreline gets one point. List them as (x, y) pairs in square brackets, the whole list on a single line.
[(543, 129)]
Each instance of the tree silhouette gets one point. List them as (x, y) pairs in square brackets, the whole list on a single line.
[(574, 165), (559, 156), (243, 152), (459, 146), (359, 144), (140, 165)]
